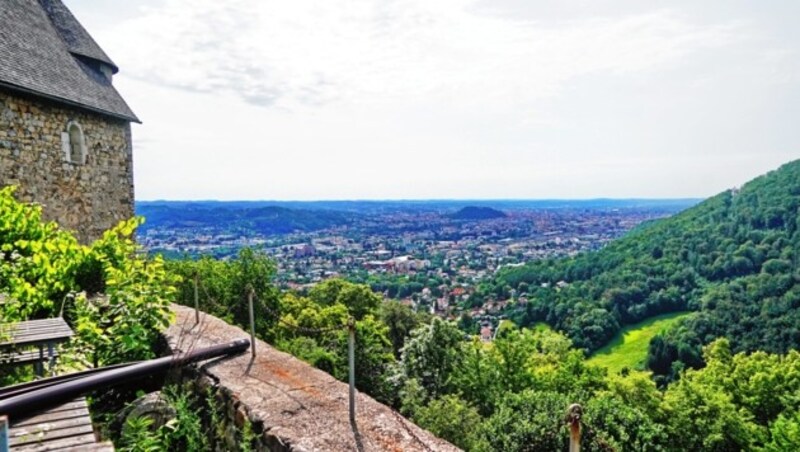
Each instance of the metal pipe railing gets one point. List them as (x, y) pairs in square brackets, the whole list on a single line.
[(22, 388), (26, 404)]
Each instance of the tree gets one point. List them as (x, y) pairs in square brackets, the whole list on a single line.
[(702, 415), (467, 324), (512, 351), (531, 420), (431, 354), (359, 299), (315, 330), (401, 320), (637, 389), (452, 419), (477, 377), (225, 285), (784, 433), (253, 270), (373, 358), (609, 423)]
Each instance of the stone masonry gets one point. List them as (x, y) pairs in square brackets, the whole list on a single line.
[(290, 405), (87, 197)]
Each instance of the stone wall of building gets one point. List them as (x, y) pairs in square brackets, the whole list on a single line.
[(87, 198)]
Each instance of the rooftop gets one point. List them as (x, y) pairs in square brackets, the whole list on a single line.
[(44, 51)]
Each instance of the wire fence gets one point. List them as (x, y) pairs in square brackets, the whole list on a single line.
[(573, 420), (349, 326), (277, 315)]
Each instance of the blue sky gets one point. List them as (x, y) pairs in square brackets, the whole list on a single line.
[(263, 99)]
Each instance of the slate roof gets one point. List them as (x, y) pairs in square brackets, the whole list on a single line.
[(72, 32), (44, 51)]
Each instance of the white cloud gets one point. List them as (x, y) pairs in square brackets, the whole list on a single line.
[(265, 99), (291, 53)]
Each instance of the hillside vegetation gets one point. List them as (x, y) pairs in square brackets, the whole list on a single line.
[(510, 394), (732, 258)]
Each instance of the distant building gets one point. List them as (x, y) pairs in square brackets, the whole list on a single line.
[(486, 334), (400, 264), (303, 250), (377, 265), (65, 135)]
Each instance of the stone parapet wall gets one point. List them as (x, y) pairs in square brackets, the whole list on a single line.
[(87, 198), (288, 404), (231, 423)]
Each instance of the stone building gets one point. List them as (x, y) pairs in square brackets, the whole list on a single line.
[(65, 132)]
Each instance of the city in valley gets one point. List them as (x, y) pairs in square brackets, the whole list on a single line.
[(430, 255)]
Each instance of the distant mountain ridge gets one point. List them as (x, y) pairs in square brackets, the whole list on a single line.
[(282, 217), (434, 205), (271, 218), (267, 220)]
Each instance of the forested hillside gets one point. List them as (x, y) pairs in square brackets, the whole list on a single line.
[(510, 394), (266, 220), (732, 258), (477, 213)]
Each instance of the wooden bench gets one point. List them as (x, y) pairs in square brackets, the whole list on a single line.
[(22, 358), (64, 428), (40, 334)]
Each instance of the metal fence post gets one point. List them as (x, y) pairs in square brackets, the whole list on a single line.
[(573, 418), (250, 295), (4, 434), (351, 359), (196, 299)]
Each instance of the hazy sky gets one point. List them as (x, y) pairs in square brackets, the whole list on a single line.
[(265, 99)]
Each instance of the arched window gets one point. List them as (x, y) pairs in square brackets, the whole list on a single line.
[(73, 143)]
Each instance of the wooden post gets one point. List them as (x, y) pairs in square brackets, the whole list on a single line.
[(196, 299), (39, 366), (351, 360), (51, 354), (4, 434), (250, 295), (573, 418)]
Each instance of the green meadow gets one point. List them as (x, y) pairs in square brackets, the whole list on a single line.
[(629, 347)]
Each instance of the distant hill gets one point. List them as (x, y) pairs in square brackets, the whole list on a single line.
[(441, 205), (250, 218), (733, 258), (267, 220), (477, 213)]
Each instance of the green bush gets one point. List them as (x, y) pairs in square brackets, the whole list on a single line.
[(184, 432), (224, 287), (38, 261), (45, 272)]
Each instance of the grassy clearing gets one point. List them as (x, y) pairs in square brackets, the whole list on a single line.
[(629, 347)]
